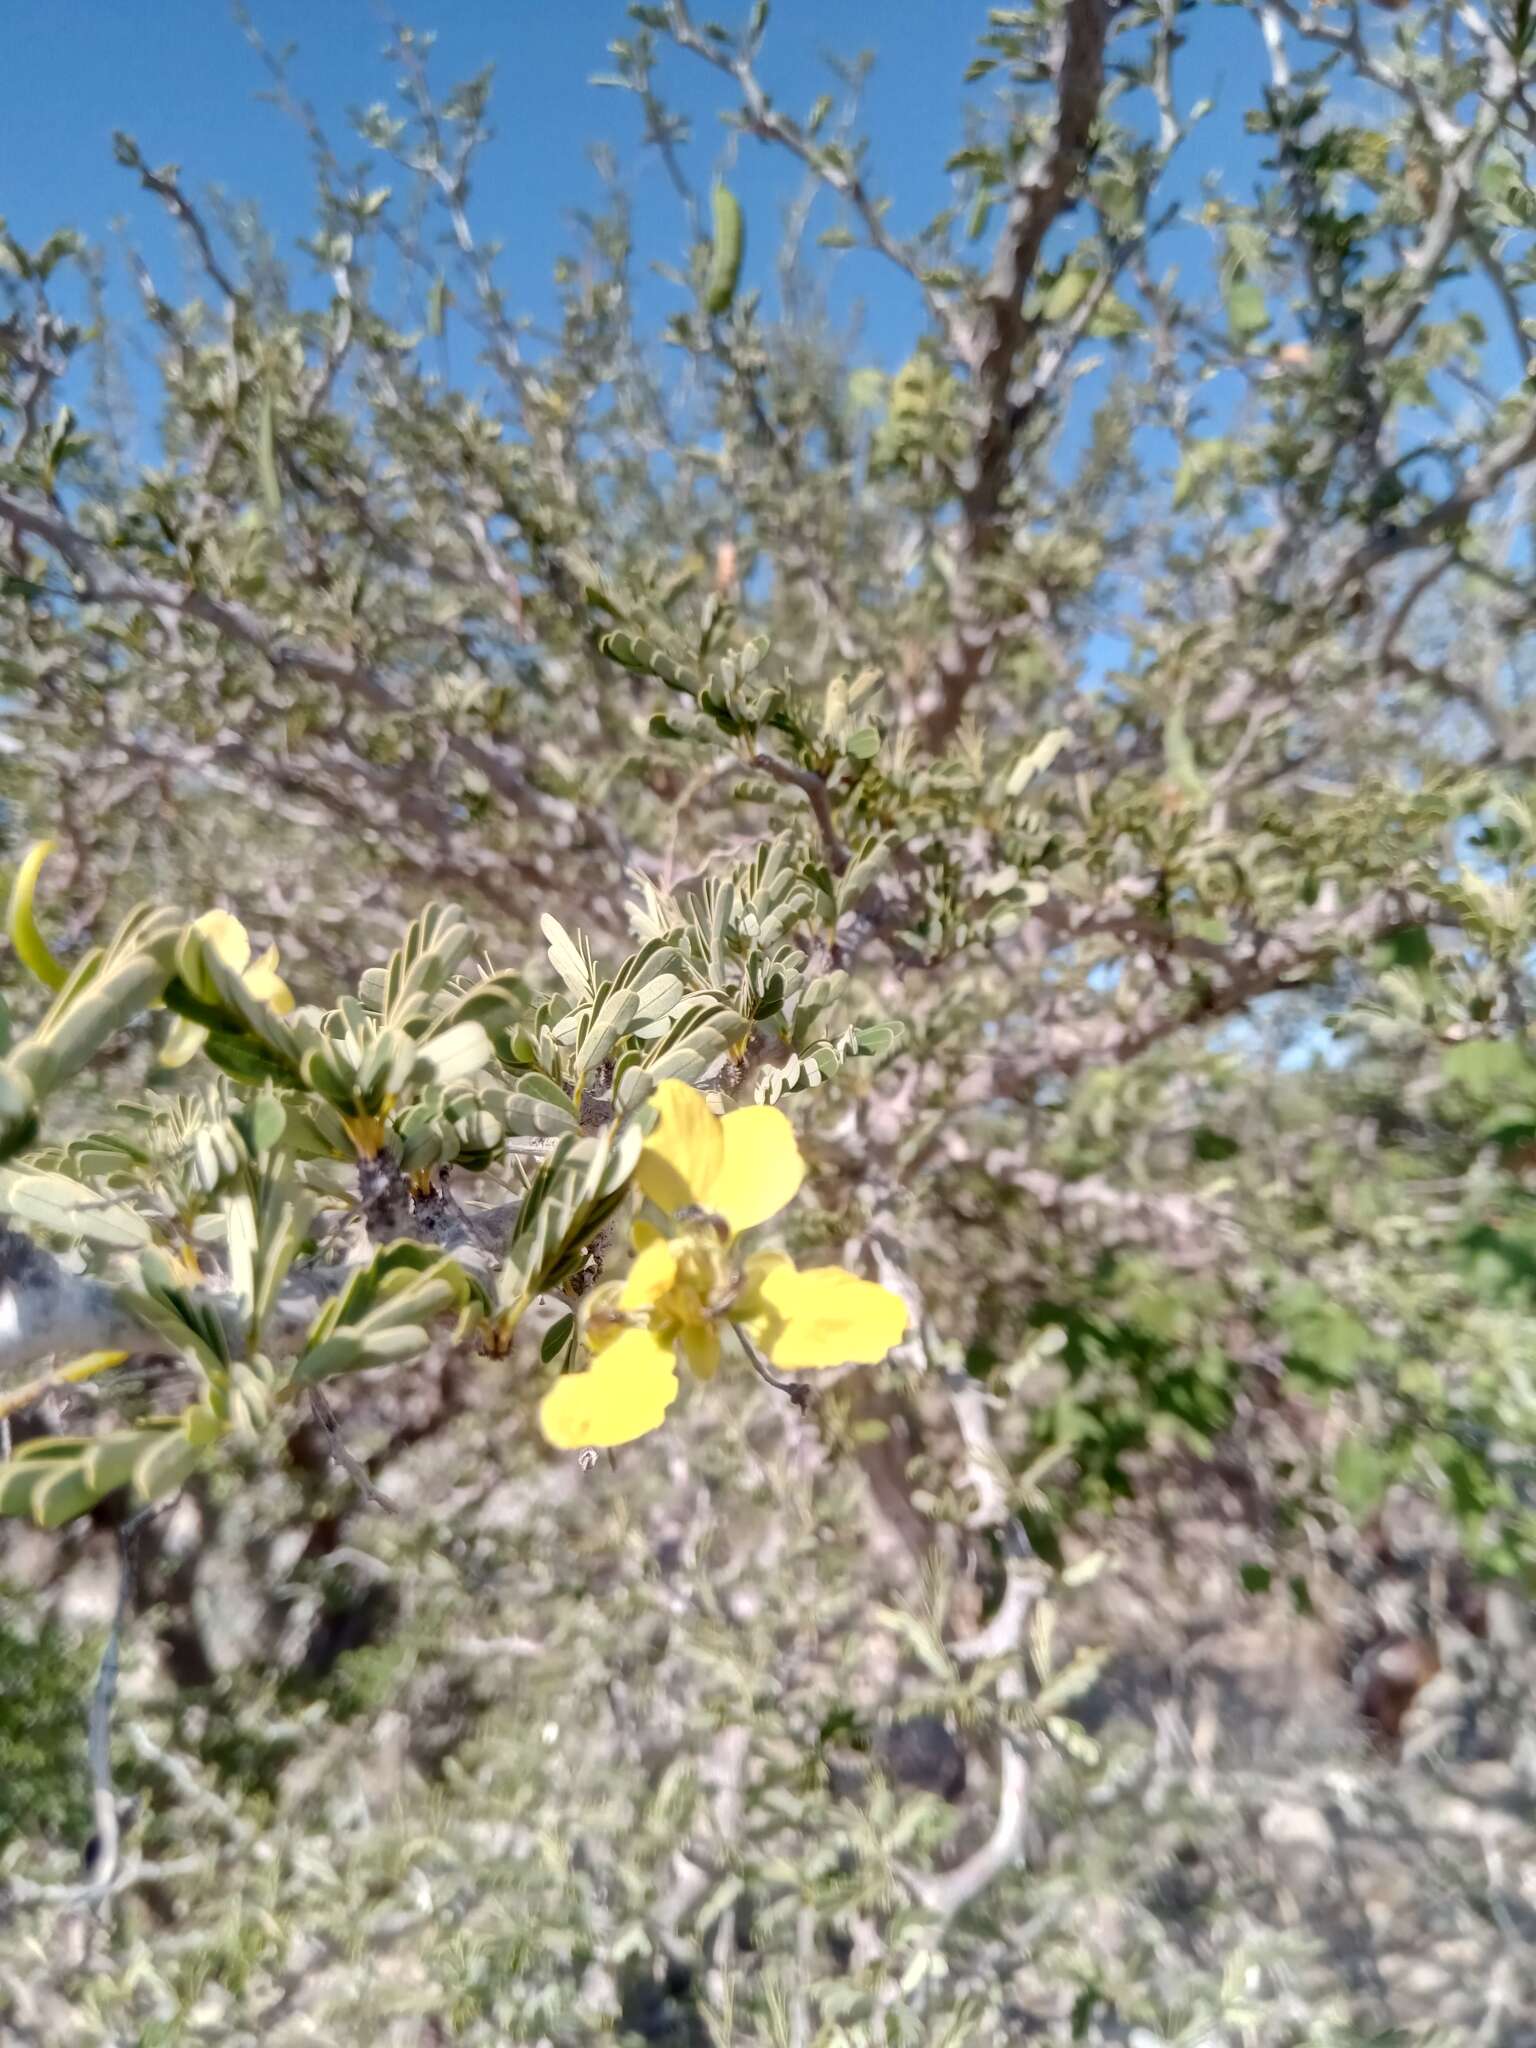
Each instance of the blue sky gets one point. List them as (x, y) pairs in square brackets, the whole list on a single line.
[(180, 77)]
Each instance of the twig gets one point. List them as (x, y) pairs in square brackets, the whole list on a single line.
[(1002, 1637), (106, 582), (72, 1375), (1291, 956), (99, 1724), (103, 1852), (1422, 266), (725, 1767), (352, 1465), (815, 789), (983, 1467), (769, 125), (799, 1394), (1481, 481), (1022, 1587), (947, 1894), (165, 188), (197, 1795), (476, 1647)]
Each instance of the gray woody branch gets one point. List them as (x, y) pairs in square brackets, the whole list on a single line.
[(989, 342), (105, 581), (1045, 187), (1002, 1637), (1293, 954)]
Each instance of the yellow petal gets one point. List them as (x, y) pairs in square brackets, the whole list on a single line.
[(267, 985), (183, 1041), (755, 1270), (626, 1394), (761, 1169), (701, 1348), (227, 936), (681, 1157), (650, 1276), (822, 1317)]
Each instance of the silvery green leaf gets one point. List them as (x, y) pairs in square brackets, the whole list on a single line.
[(71, 1209)]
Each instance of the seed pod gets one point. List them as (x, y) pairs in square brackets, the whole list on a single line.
[(726, 252), (266, 460), (31, 947)]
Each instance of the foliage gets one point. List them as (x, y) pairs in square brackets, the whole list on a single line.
[(42, 1678), (1077, 772)]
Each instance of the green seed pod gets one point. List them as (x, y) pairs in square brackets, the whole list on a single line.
[(726, 251)]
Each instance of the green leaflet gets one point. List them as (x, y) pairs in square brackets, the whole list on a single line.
[(53, 1479), (70, 1208), (568, 1201), (383, 1315)]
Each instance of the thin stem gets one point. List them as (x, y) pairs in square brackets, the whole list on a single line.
[(348, 1460), (798, 1393)]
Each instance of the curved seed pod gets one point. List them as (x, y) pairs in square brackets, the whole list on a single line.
[(266, 460), (21, 926), (726, 252)]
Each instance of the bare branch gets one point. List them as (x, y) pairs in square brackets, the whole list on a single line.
[(177, 1771), (1043, 190), (998, 332), (1423, 264), (1292, 955), (347, 1459), (106, 582), (766, 122), (950, 1892), (1517, 449), (165, 187), (947, 1894), (1001, 1637), (815, 788)]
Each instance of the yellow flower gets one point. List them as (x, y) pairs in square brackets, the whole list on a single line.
[(681, 1285), (230, 940), (717, 1177), (743, 1167)]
